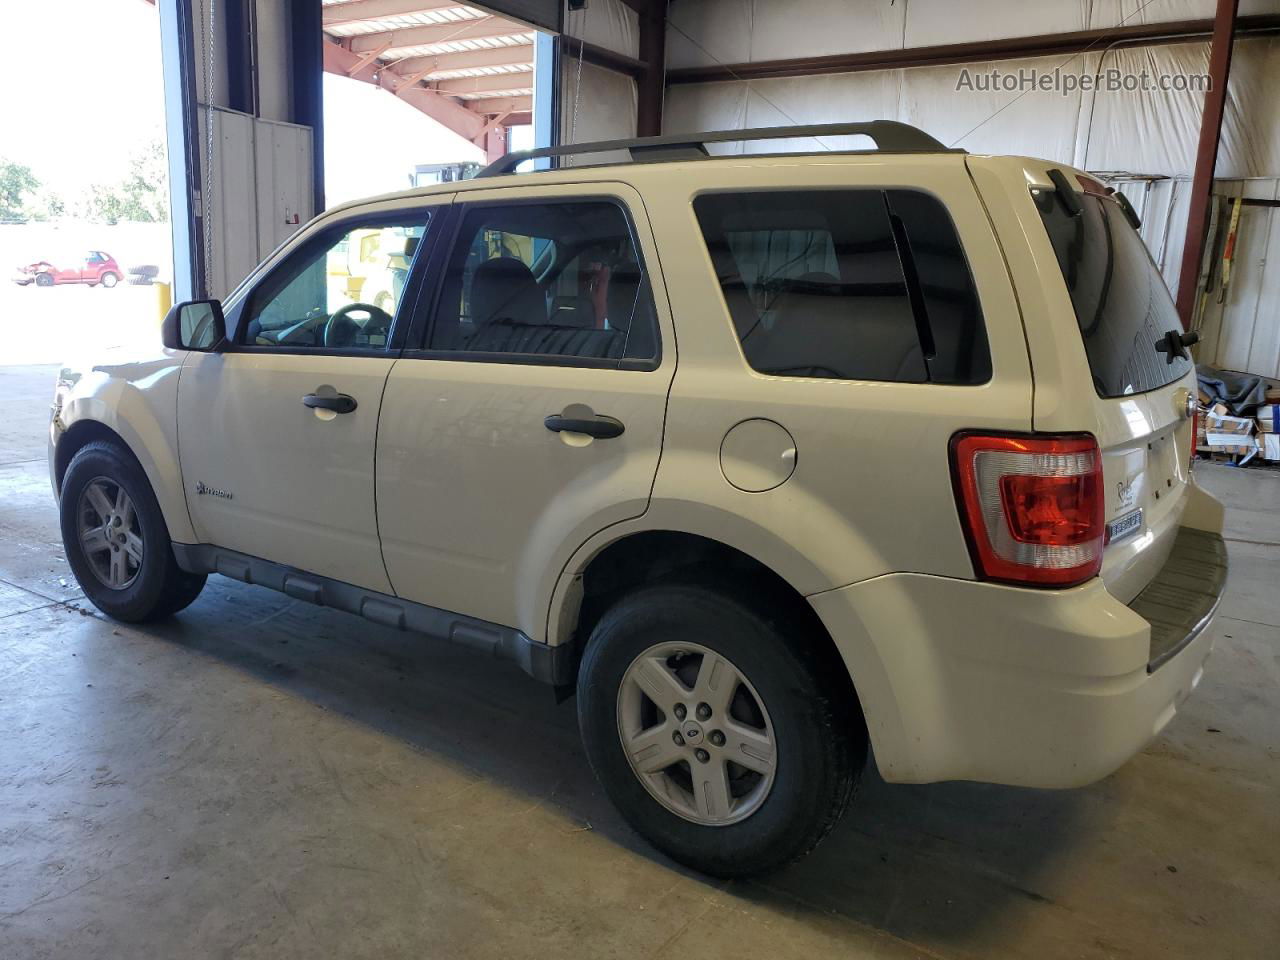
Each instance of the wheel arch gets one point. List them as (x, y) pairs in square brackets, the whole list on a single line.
[(641, 557), (77, 436), (114, 411)]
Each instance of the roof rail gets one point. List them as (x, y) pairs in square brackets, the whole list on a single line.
[(889, 136)]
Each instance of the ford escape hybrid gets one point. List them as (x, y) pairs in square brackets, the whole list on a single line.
[(776, 460)]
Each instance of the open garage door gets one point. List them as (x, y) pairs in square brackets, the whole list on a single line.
[(244, 96)]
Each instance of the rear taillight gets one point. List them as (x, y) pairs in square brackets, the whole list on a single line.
[(1032, 506)]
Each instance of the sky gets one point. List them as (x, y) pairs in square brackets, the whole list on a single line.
[(80, 89), (373, 140), (83, 89)]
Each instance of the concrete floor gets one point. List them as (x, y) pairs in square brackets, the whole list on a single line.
[(263, 778)]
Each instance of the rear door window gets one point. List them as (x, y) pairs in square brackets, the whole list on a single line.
[(860, 284), (1120, 299), (559, 281)]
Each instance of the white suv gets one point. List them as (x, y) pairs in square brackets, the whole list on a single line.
[(774, 458)]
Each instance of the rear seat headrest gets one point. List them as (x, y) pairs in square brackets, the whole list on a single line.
[(624, 288)]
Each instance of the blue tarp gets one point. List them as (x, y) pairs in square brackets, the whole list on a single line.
[(1241, 392)]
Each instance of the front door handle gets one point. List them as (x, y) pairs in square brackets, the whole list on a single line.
[(598, 426), (338, 404)]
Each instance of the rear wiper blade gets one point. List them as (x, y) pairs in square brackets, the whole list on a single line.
[(1062, 186), (1126, 208), (1174, 345)]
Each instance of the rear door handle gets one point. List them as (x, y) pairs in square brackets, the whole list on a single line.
[(599, 426), (338, 404)]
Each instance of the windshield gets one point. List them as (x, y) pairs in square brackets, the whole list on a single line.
[(1121, 302)]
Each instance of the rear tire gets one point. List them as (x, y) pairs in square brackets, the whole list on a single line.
[(109, 280), (785, 716), (137, 578)]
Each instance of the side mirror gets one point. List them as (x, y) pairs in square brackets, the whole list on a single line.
[(195, 325)]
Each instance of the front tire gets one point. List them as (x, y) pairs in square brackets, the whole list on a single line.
[(717, 733), (116, 540), (44, 280)]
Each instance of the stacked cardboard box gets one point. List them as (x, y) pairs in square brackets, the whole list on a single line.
[(1217, 431), (1206, 402), (1227, 434), (1269, 426)]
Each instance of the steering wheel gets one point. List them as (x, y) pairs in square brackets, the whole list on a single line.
[(340, 329)]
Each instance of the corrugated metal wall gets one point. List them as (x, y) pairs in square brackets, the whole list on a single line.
[(261, 191)]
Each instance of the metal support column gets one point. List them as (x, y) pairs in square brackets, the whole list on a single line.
[(546, 98), (182, 131), (651, 84), (240, 33), (307, 65), (495, 143), (1224, 25)]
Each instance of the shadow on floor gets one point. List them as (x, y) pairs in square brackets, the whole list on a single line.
[(925, 863)]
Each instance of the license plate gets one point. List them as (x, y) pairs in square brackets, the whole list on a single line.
[(1122, 527)]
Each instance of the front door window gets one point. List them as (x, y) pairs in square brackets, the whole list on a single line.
[(340, 291)]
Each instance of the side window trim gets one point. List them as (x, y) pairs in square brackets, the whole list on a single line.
[(431, 280), (424, 276), (423, 320), (238, 319)]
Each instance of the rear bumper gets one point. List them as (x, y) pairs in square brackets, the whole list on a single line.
[(962, 680), (1182, 598)]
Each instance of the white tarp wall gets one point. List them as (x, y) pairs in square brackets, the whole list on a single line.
[(1146, 133), (597, 104)]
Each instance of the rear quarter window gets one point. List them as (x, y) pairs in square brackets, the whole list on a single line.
[(859, 284)]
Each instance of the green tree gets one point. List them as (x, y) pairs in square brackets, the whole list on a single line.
[(141, 197), (48, 205), (16, 179), (54, 205), (105, 204)]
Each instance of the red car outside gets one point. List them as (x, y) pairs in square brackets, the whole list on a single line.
[(97, 268)]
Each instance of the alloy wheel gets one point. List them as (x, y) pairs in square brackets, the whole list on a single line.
[(110, 533), (696, 733)]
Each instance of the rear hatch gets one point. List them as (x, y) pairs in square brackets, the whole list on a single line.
[(1134, 396)]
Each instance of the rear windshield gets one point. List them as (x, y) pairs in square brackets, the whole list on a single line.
[(1121, 302)]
